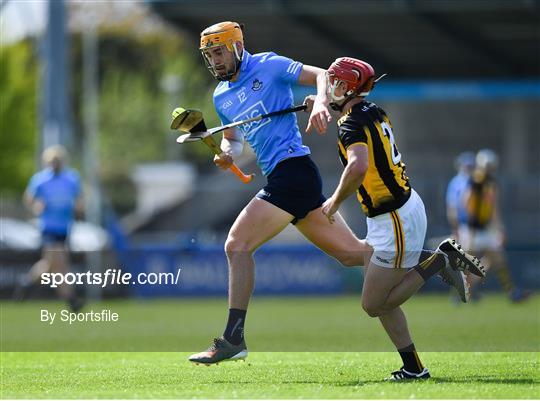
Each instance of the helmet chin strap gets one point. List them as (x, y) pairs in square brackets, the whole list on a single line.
[(336, 107), (339, 106)]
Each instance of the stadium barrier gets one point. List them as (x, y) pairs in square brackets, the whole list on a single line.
[(281, 270)]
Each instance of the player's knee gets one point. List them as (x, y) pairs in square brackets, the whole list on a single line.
[(371, 309), (235, 246)]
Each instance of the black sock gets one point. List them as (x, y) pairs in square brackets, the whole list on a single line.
[(430, 266), (411, 361), (234, 332), (425, 254)]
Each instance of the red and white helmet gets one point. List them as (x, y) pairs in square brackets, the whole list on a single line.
[(358, 75)]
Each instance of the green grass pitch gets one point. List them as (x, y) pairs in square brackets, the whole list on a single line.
[(282, 361)]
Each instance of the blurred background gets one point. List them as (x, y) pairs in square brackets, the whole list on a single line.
[(102, 78)]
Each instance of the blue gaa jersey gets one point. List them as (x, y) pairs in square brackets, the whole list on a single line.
[(263, 86), (59, 193)]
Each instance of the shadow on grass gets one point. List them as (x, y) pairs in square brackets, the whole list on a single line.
[(484, 380), (437, 380), (358, 383)]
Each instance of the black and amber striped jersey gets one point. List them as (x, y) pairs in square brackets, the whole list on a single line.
[(386, 186), (480, 199)]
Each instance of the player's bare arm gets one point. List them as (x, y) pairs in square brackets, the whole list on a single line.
[(320, 115), (232, 145), (351, 179)]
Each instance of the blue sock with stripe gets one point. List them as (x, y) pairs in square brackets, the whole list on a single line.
[(234, 332)]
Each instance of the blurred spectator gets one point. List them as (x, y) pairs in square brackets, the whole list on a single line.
[(54, 195), (484, 232), (455, 206)]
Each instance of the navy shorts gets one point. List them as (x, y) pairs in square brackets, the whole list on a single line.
[(295, 186), (51, 238)]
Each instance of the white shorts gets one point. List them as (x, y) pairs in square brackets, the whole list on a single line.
[(479, 240), (397, 238)]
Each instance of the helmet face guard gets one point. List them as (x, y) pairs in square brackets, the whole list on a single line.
[(333, 83), (220, 71), (226, 36)]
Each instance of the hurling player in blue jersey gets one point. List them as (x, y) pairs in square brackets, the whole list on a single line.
[(250, 85), (54, 195)]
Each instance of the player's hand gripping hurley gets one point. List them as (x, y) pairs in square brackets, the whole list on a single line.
[(191, 123)]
